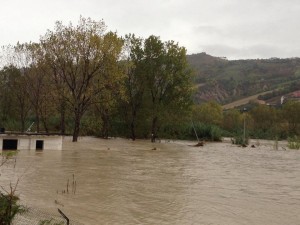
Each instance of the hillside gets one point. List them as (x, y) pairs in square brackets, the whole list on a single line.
[(226, 81)]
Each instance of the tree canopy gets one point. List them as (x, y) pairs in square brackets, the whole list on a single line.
[(83, 71), (86, 80)]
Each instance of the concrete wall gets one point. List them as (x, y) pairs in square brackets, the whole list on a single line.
[(28, 142)]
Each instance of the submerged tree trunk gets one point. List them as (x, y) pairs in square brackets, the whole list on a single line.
[(105, 127), (154, 129), (132, 128), (62, 124), (132, 125), (77, 120), (105, 123), (62, 119)]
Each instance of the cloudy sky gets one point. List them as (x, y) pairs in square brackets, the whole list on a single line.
[(236, 29)]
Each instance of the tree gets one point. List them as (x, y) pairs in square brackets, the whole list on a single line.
[(27, 83), (19, 61), (168, 80), (7, 100), (81, 58), (264, 117), (38, 83), (232, 120), (14, 82), (134, 81), (106, 104), (209, 113), (290, 113)]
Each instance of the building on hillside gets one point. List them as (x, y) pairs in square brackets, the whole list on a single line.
[(294, 96)]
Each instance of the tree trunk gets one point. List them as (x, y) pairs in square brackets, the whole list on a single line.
[(76, 126), (105, 129), (37, 123), (154, 129), (45, 125), (22, 117), (132, 125), (62, 119), (22, 125), (22, 121), (132, 128), (105, 124)]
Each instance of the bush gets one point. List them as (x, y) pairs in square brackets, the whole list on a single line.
[(239, 139), (207, 132), (9, 208), (90, 126), (186, 131), (215, 133), (269, 134), (294, 142)]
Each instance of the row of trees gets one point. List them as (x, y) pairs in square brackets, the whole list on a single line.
[(84, 79), (262, 121), (84, 76)]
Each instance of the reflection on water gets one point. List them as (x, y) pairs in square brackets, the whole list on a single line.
[(123, 182)]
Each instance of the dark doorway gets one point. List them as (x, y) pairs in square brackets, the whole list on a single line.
[(10, 144), (39, 145)]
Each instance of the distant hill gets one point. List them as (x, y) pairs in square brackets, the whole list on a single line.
[(226, 81)]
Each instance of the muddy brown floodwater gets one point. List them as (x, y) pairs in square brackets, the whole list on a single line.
[(119, 181)]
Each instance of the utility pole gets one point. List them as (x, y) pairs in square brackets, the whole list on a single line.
[(195, 131), (244, 133)]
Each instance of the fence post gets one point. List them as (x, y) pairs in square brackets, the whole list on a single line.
[(64, 216)]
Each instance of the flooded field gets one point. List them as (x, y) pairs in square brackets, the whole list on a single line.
[(119, 181)]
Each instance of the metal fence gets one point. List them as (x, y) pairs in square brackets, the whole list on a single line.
[(34, 216)]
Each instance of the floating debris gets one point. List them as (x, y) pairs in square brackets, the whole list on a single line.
[(199, 144)]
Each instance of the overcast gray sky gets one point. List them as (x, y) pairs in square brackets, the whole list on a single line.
[(236, 29)]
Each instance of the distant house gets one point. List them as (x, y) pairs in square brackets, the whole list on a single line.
[(296, 94)]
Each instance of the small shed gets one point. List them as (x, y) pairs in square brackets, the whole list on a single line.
[(30, 141)]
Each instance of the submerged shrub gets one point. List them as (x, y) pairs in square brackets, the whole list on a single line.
[(208, 132), (215, 133), (294, 142), (239, 139)]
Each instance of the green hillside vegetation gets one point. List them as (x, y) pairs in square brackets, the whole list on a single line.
[(225, 80)]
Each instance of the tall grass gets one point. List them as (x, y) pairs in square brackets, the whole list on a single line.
[(206, 132)]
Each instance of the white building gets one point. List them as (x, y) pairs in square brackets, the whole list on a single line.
[(30, 141)]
